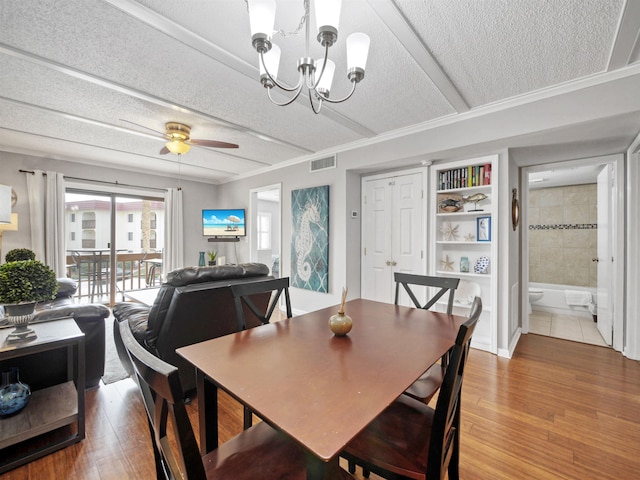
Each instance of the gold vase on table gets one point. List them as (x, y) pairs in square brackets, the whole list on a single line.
[(341, 323)]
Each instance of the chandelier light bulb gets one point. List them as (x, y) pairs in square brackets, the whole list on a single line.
[(272, 62), (357, 50), (262, 15), (327, 20), (357, 53), (326, 80)]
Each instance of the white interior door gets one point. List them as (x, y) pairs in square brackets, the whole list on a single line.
[(407, 236), (393, 233), (605, 255), (378, 203)]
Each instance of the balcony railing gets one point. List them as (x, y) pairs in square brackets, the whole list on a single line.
[(92, 272)]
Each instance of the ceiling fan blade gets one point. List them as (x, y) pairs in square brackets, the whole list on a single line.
[(212, 143), (143, 126), (164, 151)]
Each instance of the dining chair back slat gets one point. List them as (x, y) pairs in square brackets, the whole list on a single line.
[(242, 293), (445, 285)]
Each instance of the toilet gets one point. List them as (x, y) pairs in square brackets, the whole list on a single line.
[(535, 294)]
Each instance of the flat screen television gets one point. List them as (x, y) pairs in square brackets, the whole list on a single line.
[(223, 222)]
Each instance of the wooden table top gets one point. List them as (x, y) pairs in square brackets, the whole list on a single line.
[(318, 388)]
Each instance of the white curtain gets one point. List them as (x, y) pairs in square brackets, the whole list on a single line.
[(46, 213), (174, 239), (36, 185)]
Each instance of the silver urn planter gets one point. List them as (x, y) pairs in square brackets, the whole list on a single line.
[(19, 315)]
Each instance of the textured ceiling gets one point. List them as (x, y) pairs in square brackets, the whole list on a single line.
[(76, 78)]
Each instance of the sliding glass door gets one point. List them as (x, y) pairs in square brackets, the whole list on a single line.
[(114, 243)]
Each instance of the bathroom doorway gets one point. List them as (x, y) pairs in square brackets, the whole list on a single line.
[(572, 221)]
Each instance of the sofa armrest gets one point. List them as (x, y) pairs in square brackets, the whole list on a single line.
[(80, 313), (136, 315)]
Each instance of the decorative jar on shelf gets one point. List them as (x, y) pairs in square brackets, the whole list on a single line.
[(464, 264), (14, 395)]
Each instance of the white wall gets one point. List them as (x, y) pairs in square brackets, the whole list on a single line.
[(236, 194)]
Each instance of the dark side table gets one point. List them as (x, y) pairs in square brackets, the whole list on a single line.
[(59, 407)]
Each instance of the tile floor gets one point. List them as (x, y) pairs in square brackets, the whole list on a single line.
[(569, 327)]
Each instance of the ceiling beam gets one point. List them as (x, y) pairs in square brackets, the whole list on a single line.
[(626, 36), (393, 18), (131, 92)]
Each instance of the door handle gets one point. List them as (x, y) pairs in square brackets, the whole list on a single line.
[(595, 259), (388, 262), (393, 264)]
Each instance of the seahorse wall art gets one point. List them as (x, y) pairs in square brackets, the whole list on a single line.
[(310, 238)]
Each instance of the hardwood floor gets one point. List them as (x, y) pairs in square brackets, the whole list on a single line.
[(556, 410)]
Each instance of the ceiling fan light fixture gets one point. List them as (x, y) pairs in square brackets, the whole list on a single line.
[(316, 75), (178, 147)]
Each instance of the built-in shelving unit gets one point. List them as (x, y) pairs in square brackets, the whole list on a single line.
[(463, 232)]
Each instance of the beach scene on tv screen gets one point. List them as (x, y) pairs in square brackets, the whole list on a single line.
[(223, 222)]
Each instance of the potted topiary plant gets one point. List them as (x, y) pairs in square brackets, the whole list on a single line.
[(23, 283), (212, 257), (19, 254)]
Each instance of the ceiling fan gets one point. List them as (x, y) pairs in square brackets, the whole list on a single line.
[(180, 141)]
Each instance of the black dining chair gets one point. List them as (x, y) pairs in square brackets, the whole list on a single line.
[(412, 440), (258, 452), (242, 293), (428, 384)]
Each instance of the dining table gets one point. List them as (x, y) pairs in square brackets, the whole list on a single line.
[(316, 387)]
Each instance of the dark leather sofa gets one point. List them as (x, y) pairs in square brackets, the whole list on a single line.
[(193, 305), (48, 368)]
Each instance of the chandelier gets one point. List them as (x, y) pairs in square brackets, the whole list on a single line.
[(316, 75)]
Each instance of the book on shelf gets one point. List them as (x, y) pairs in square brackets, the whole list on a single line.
[(465, 177)]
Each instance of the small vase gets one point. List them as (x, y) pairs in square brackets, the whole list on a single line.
[(19, 315), (201, 260), (14, 395), (340, 324)]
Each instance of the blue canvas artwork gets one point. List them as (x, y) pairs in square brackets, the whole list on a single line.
[(310, 239)]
